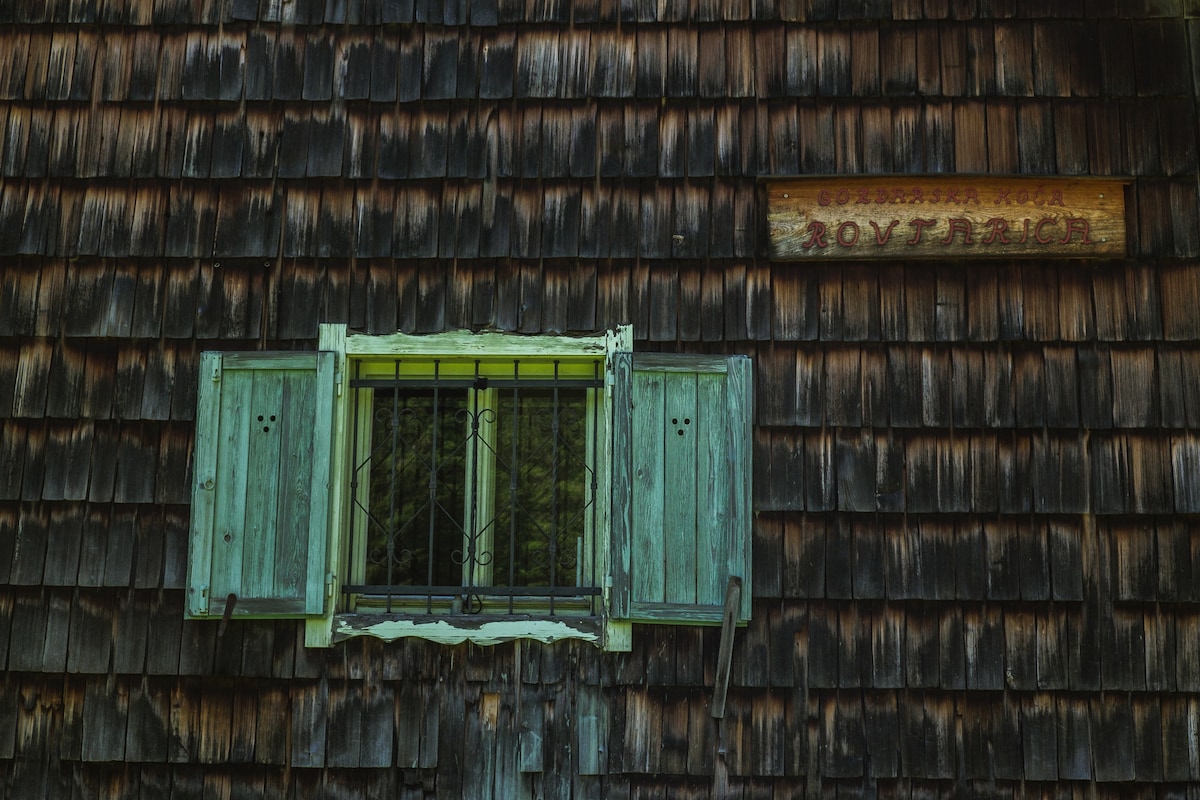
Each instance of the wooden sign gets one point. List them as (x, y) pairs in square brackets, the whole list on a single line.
[(952, 216)]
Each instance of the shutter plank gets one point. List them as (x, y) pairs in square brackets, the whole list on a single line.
[(294, 485), (649, 395), (260, 532), (684, 533), (622, 483), (689, 494), (318, 456), (739, 416), (230, 518), (262, 484), (203, 496), (713, 495)]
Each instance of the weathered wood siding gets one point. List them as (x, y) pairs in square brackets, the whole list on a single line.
[(977, 485)]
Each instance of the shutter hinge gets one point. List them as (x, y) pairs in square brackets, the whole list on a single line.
[(330, 580), (200, 602), (216, 373)]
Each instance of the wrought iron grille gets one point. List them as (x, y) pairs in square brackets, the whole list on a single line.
[(475, 492)]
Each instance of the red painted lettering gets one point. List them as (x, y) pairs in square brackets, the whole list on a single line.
[(998, 231), (958, 225), (816, 235), (1037, 231), (972, 195), (845, 239), (936, 197), (843, 197), (864, 196), (919, 226), (1002, 198), (952, 196), (918, 195), (824, 198), (882, 238), (1024, 233), (881, 195), (897, 195), (1080, 226), (1055, 198)]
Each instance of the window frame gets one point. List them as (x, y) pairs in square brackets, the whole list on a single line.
[(464, 344), (581, 374)]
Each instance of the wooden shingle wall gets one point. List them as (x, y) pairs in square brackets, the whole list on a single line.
[(977, 547)]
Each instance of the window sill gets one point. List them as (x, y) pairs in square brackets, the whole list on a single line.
[(474, 628)]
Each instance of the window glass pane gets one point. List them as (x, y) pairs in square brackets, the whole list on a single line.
[(541, 486), (417, 470)]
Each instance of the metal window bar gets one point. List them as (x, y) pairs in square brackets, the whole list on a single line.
[(478, 536)]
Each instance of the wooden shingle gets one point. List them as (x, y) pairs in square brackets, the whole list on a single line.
[(1176, 716), (105, 720), (1134, 383), (69, 450), (30, 387), (1157, 44), (1014, 58), (801, 64), (14, 66), (1052, 41), (779, 475), (1184, 202), (58, 620), (819, 643), (970, 137), (904, 371), (1035, 131), (834, 57), (803, 559), (439, 74)]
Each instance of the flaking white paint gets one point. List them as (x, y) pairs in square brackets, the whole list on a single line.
[(486, 633)]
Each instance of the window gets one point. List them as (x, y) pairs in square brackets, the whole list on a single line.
[(471, 486)]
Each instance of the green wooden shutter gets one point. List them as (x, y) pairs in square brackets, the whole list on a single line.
[(681, 513), (260, 496)]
